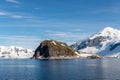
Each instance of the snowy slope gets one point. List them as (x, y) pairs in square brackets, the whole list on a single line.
[(15, 52), (105, 43), (108, 32)]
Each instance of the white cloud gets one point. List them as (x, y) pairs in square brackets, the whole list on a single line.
[(68, 37), (36, 8), (13, 1), (19, 37), (17, 16), (77, 30), (108, 9), (60, 34), (23, 41), (16, 6), (3, 13), (67, 34)]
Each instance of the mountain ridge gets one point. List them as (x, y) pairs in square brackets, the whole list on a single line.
[(105, 43), (15, 52)]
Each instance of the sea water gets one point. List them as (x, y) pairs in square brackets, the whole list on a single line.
[(73, 69)]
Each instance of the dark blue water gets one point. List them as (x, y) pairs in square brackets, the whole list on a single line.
[(76, 69)]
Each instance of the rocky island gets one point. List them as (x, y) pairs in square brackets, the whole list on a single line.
[(51, 49)]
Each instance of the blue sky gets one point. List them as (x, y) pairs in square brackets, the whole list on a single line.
[(28, 22)]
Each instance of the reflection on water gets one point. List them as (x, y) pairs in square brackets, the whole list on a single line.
[(76, 69)]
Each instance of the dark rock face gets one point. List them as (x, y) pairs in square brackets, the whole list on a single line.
[(90, 43), (94, 56), (52, 48), (96, 41), (80, 45), (114, 46)]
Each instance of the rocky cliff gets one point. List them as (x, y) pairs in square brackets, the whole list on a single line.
[(54, 49)]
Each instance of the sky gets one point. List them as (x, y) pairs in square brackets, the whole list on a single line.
[(28, 22)]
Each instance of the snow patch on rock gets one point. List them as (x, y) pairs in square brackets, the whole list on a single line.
[(54, 42), (62, 45)]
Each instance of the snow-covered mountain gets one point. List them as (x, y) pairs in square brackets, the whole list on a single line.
[(105, 43), (15, 52)]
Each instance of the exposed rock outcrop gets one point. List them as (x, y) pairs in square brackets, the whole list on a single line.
[(89, 43), (94, 56), (114, 46), (53, 49)]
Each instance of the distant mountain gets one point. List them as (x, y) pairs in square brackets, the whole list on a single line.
[(15, 52), (105, 43), (51, 49)]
